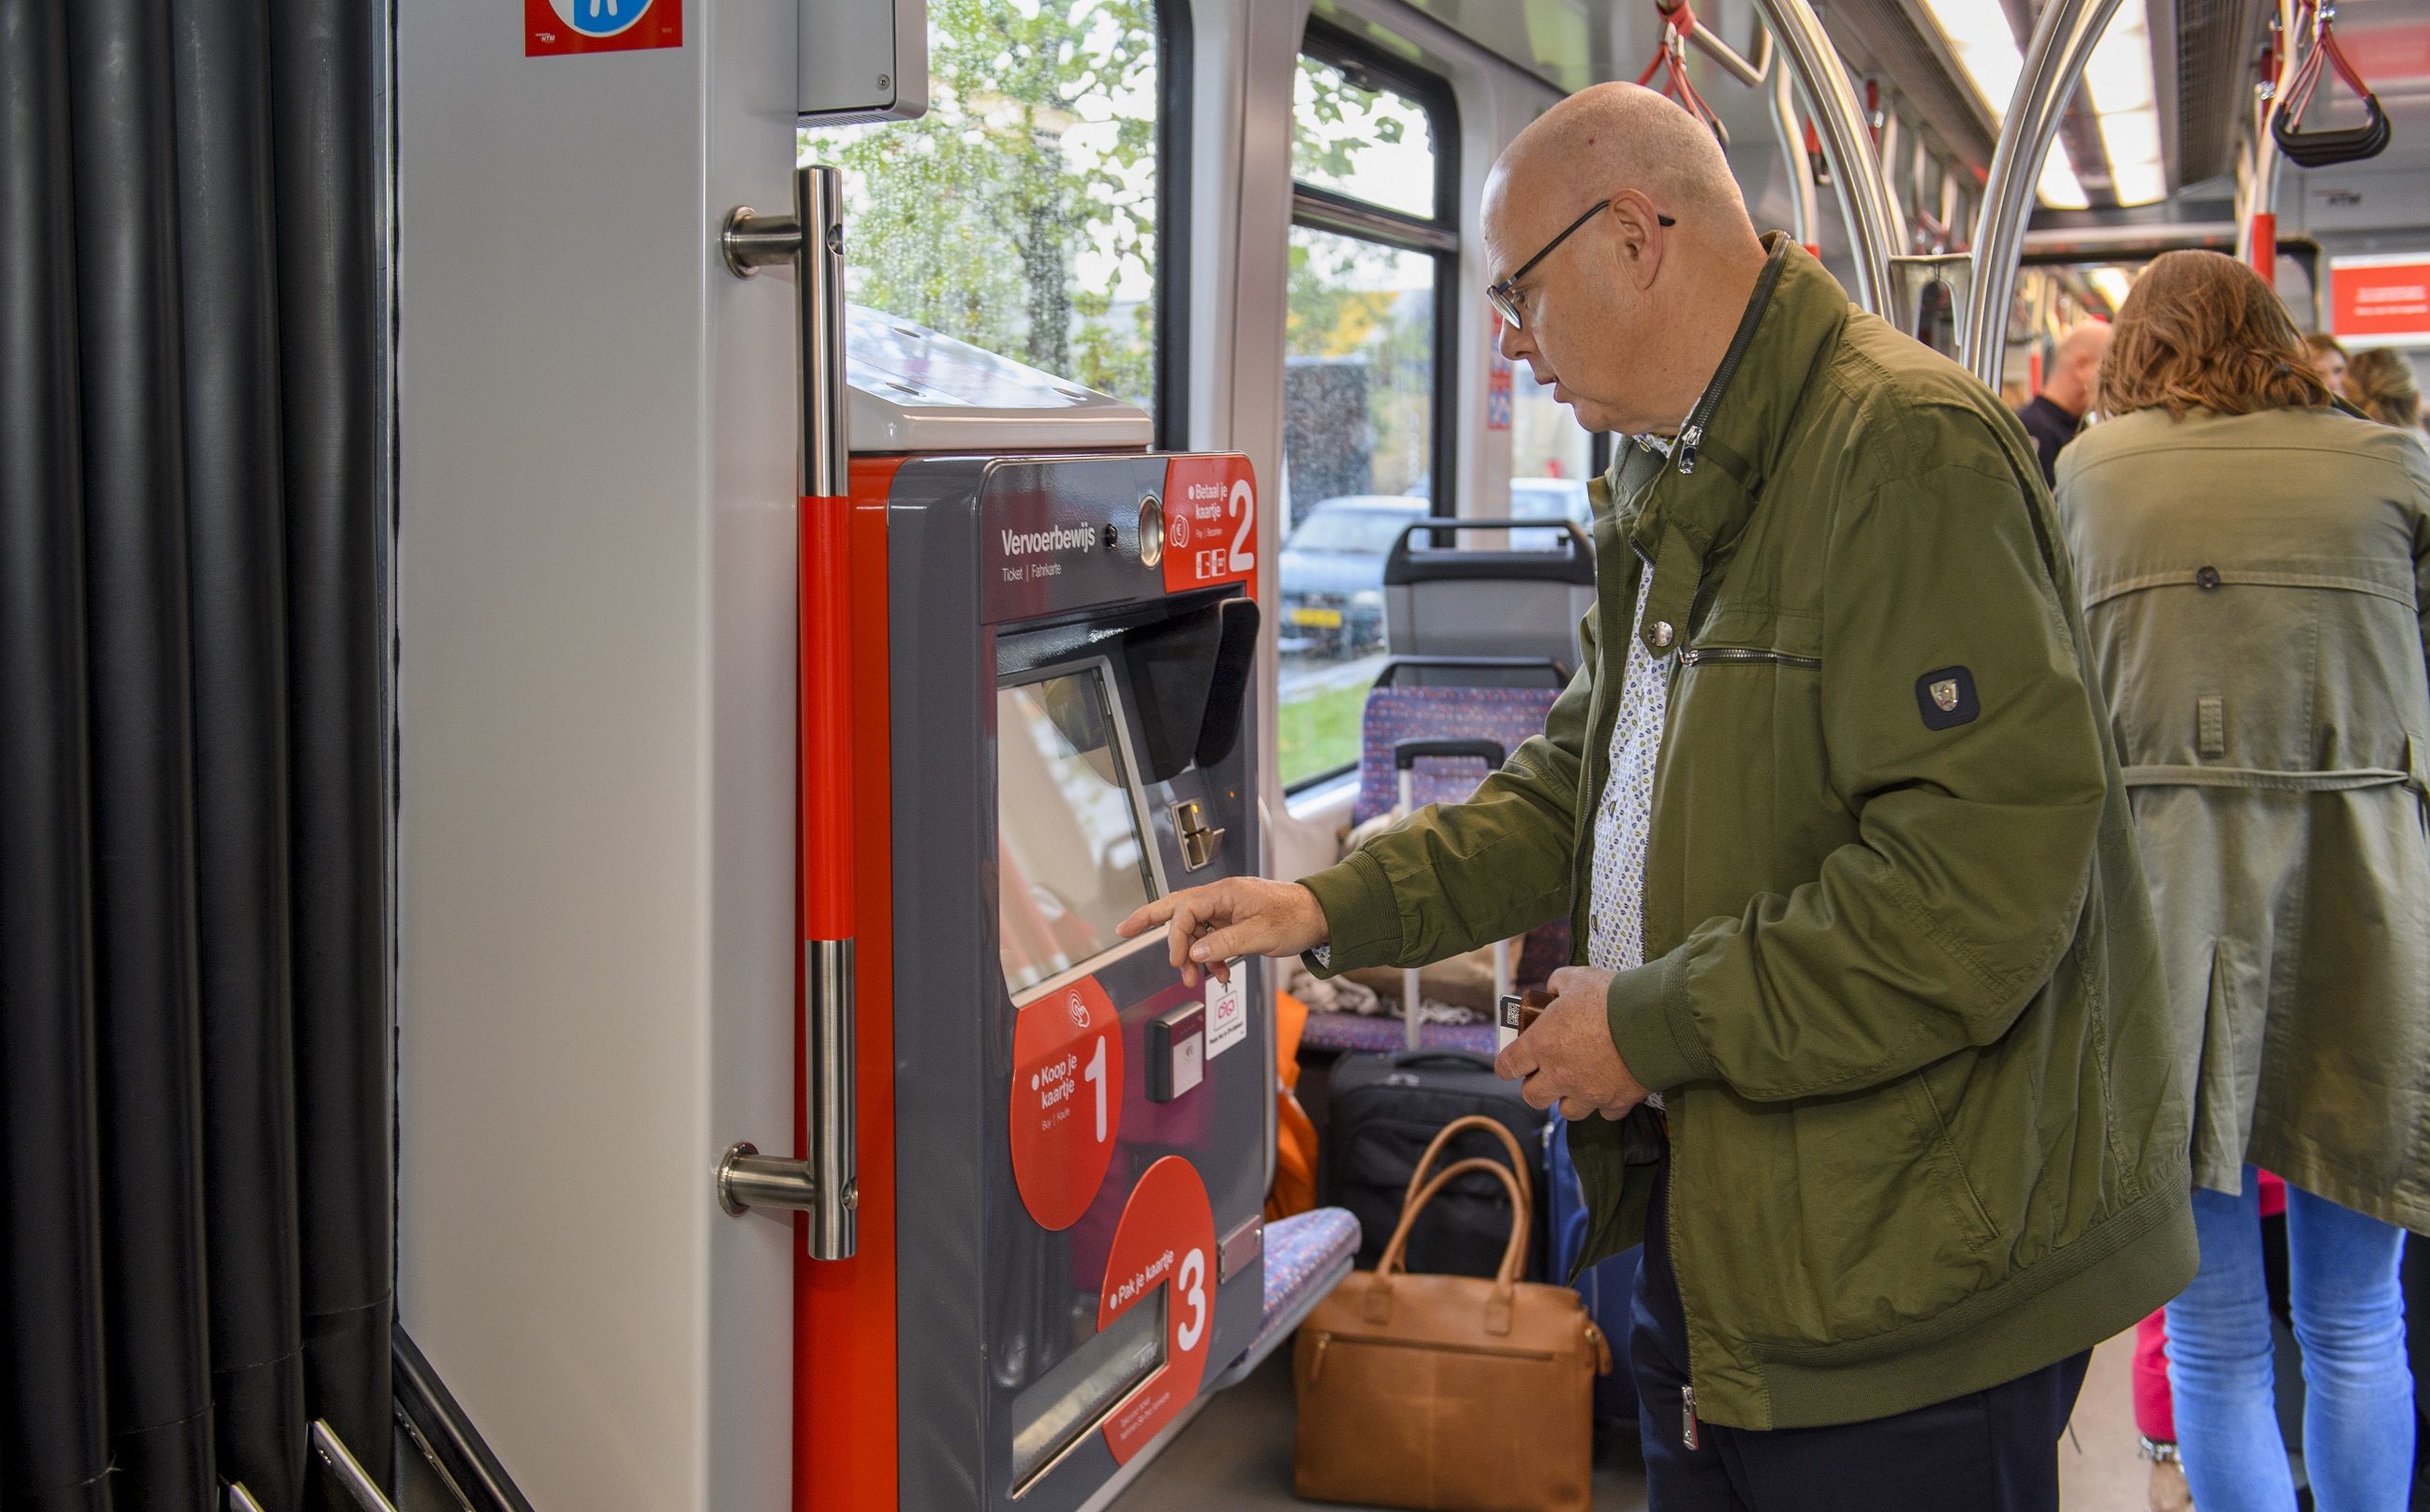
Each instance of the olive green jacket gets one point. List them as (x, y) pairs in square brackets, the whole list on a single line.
[(2255, 589), (1902, 993)]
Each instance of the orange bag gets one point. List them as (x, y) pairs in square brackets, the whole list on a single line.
[(1294, 1189)]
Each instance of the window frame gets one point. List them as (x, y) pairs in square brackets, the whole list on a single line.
[(1436, 236), (1174, 61)]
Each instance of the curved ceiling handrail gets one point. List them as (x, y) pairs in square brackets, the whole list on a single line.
[(1857, 177), (2064, 37)]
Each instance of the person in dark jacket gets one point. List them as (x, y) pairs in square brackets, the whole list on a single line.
[(2253, 563), (1834, 813), (2056, 413)]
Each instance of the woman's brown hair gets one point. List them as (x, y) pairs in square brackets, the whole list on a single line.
[(2383, 386), (2199, 330)]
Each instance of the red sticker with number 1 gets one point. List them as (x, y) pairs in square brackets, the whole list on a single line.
[(1210, 521), (1067, 1100)]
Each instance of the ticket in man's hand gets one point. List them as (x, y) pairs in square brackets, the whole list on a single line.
[(1514, 1011)]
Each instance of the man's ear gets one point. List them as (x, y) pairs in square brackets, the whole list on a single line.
[(1638, 234)]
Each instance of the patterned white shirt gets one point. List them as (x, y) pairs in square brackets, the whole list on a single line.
[(1623, 818)]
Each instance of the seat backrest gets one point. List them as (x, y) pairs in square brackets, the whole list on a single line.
[(1397, 713), (1440, 601)]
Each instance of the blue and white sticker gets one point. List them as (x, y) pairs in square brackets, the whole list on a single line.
[(601, 18)]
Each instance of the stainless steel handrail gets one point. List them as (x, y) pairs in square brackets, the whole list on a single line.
[(1804, 214), (1874, 225), (2064, 37), (1750, 72), (2260, 187), (825, 1185)]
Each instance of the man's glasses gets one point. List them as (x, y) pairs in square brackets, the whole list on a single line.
[(1505, 295)]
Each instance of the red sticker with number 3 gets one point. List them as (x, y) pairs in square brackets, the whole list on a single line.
[(1165, 1241), (1067, 1100)]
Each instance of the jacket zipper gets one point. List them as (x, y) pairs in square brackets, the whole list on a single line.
[(1691, 435), (1688, 1434), (1693, 655), (1325, 1341)]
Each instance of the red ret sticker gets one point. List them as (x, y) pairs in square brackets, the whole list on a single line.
[(1067, 1100), (1210, 521), (1166, 1238)]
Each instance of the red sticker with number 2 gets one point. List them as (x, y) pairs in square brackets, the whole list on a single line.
[(1210, 521), (1067, 1100)]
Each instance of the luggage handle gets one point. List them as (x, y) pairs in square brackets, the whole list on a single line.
[(1506, 1280), (1444, 1135)]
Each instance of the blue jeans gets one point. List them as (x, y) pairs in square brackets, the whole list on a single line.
[(2350, 1321)]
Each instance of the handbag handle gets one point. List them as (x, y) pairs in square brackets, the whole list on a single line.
[(1513, 1253), (1499, 1301), (1526, 1189)]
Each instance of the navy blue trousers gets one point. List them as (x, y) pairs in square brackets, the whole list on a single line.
[(1994, 1451)]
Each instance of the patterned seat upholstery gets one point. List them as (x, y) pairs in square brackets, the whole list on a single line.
[(1306, 1256), (1348, 1032), (1508, 717)]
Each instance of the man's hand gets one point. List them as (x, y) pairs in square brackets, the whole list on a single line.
[(1209, 927), (1566, 1055)]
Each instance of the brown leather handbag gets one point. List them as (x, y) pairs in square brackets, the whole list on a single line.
[(1450, 1393)]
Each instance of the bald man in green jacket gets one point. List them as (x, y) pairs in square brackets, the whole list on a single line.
[(1833, 813)]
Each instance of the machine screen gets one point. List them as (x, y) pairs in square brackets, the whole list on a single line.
[(1070, 855), (1060, 1405)]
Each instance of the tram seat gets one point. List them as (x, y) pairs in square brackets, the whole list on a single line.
[(1308, 1254), (1522, 604), (1401, 719)]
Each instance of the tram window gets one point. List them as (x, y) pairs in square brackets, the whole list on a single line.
[(1369, 357), (1552, 456), (1030, 212), (1372, 144)]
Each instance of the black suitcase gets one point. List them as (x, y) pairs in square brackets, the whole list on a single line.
[(1385, 1110)]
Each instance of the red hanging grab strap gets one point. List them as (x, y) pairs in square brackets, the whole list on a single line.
[(1670, 61), (2325, 148)]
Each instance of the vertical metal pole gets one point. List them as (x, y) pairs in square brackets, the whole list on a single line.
[(1874, 225), (827, 840), (2064, 37), (1803, 215), (826, 451), (2257, 222), (825, 1184)]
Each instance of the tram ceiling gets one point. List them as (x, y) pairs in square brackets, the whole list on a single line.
[(2204, 51), (1897, 41)]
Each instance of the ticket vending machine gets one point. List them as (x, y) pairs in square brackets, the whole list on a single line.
[(1035, 1160)]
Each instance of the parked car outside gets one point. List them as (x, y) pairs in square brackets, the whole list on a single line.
[(1331, 572), (1548, 499)]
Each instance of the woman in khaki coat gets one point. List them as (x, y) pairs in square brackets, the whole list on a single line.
[(2253, 565)]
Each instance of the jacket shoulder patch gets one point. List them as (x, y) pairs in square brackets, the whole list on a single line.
[(1946, 698)]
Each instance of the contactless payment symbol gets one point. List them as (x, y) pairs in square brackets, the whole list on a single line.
[(559, 26), (1067, 1100), (1164, 1243)]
